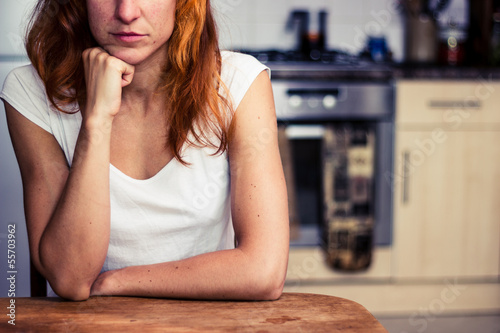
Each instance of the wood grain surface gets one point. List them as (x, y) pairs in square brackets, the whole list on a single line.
[(293, 312)]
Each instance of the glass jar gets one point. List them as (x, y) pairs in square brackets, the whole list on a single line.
[(452, 39)]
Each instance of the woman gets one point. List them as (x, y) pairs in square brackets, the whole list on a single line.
[(141, 148)]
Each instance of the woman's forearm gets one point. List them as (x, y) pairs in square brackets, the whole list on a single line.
[(229, 274), (74, 244)]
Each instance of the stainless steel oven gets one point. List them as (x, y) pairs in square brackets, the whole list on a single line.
[(336, 138)]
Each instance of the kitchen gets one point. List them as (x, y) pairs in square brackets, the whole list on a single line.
[(415, 274)]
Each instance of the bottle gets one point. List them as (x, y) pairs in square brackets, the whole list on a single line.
[(299, 19), (311, 33), (452, 39), (317, 36)]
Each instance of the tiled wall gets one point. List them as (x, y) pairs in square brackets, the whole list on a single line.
[(260, 24)]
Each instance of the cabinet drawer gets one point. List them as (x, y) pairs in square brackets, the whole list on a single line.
[(448, 103)]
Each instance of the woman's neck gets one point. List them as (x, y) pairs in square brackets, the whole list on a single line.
[(142, 92), (147, 76)]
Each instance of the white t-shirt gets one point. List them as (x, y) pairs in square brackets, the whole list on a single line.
[(180, 212)]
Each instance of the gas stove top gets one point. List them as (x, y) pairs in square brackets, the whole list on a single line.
[(325, 64), (323, 57), (333, 57)]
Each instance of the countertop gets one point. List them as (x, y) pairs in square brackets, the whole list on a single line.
[(379, 72), (445, 73)]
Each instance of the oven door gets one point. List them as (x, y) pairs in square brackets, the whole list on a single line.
[(337, 157), (311, 150)]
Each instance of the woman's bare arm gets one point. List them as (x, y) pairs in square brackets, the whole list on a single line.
[(256, 269), (67, 209)]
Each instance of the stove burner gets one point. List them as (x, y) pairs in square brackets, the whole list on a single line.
[(325, 57)]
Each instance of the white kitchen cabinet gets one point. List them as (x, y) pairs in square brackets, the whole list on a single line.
[(447, 180)]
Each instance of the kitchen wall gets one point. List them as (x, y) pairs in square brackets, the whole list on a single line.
[(258, 24)]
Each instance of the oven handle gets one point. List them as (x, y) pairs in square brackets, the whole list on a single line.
[(308, 92), (406, 175)]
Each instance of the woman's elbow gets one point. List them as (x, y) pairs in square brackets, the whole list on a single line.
[(73, 291), (273, 292), (80, 294), (269, 286)]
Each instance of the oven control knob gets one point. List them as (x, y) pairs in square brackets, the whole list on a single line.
[(295, 101), (313, 102), (329, 101)]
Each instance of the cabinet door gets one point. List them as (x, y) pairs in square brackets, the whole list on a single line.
[(447, 204), (452, 104)]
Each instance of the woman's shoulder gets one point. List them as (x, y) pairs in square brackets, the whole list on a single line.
[(237, 57), (22, 79), (238, 73), (24, 91), (242, 63), (24, 73)]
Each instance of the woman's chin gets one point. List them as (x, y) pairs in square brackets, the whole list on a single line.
[(137, 56), (128, 58)]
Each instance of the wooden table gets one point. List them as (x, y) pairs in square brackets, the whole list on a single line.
[(293, 312)]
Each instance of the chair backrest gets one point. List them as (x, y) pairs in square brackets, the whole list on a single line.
[(38, 284)]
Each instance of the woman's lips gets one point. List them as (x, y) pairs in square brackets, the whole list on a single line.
[(128, 37)]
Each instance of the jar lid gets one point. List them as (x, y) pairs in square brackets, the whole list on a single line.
[(457, 32)]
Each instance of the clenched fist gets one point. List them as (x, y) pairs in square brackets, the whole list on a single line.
[(105, 76)]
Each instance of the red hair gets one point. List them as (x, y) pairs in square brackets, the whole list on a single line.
[(59, 33)]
